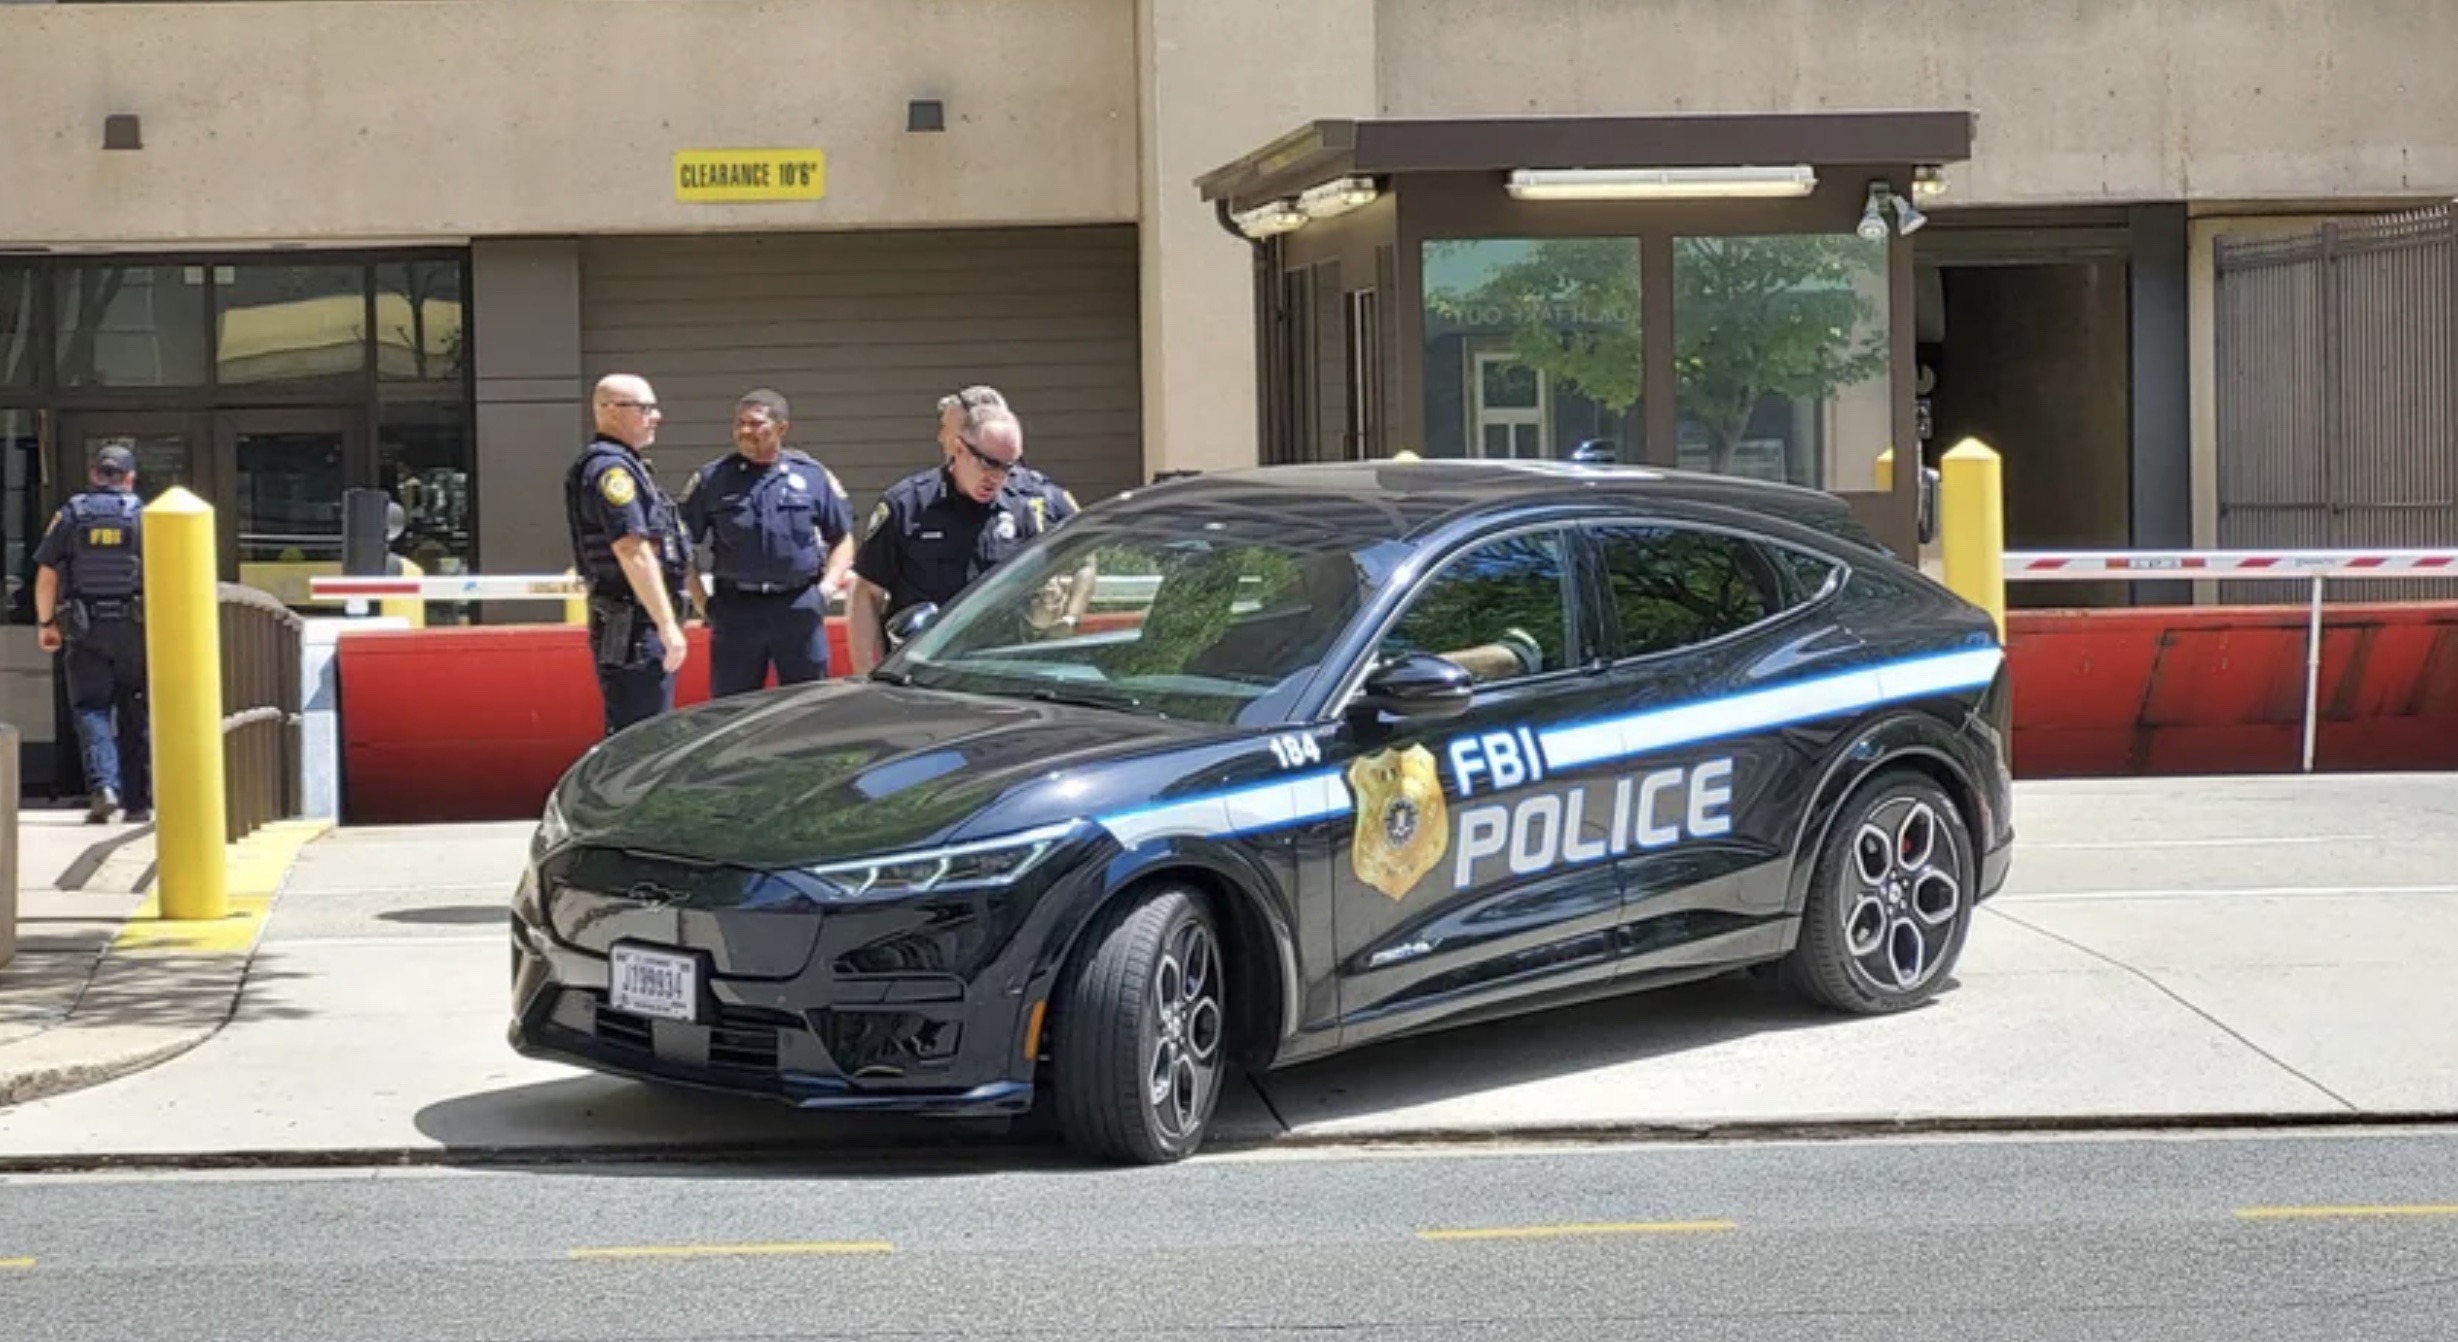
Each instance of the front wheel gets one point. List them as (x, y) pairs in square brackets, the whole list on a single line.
[(1142, 1022), (1889, 901)]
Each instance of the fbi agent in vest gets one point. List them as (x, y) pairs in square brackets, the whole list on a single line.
[(777, 529), (937, 530), (627, 545), (88, 594)]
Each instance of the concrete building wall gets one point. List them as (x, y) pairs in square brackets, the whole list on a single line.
[(333, 119), (2101, 101)]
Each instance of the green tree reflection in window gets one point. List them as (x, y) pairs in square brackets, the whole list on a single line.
[(1508, 591), (1674, 587)]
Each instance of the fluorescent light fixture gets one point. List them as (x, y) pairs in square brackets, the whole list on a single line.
[(1336, 197), (1660, 183), (1265, 220)]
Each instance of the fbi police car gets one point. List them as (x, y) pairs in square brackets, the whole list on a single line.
[(1340, 752)]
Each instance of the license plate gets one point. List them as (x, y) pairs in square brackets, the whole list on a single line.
[(654, 983)]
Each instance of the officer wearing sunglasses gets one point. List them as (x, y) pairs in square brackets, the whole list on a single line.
[(937, 530)]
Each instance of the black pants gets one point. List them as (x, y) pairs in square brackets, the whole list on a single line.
[(106, 675), (632, 679), (750, 631)]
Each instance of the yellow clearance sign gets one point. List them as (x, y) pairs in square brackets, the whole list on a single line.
[(733, 176)]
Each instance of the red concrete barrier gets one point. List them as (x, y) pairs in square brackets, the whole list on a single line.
[(462, 724), (2161, 691)]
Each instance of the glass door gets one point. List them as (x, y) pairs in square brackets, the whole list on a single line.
[(171, 448), (288, 469)]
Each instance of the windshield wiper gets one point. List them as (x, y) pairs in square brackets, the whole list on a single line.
[(1121, 703)]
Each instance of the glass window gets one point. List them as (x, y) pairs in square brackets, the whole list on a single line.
[(423, 461), (1780, 357), (17, 326), (418, 321), (289, 505), (22, 517), (1222, 620), (290, 323), (1673, 587), (1502, 610), (1533, 349), (130, 326)]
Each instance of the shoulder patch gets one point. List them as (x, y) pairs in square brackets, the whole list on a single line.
[(879, 514), (618, 487), (835, 484)]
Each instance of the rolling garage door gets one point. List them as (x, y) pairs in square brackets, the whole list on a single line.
[(863, 332)]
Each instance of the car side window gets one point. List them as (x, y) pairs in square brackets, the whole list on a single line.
[(1674, 587), (1501, 609)]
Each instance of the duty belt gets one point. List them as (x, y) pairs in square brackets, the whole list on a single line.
[(764, 588)]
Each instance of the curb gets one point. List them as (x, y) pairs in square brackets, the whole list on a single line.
[(1003, 1151), (85, 1048)]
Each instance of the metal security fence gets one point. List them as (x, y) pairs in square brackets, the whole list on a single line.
[(2337, 382), (262, 710)]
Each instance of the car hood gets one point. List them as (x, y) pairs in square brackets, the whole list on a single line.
[(838, 769)]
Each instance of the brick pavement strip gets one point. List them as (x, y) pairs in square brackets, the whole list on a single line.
[(103, 986)]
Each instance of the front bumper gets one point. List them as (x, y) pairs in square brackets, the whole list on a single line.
[(918, 1007)]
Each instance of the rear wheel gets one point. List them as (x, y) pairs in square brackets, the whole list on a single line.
[(1142, 1024), (1890, 900)]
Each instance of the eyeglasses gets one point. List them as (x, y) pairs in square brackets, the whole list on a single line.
[(644, 407), (985, 460)]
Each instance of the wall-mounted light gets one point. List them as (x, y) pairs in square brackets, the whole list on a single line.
[(1266, 220), (1882, 198), (121, 130), (925, 115), (1928, 183), (1337, 197), (1660, 183)]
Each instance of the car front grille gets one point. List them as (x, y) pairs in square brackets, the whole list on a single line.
[(739, 1039)]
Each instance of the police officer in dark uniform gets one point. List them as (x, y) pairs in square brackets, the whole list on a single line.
[(627, 545), (89, 596), (937, 530), (779, 531)]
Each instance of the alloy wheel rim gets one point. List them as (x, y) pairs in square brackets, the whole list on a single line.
[(1186, 1030), (1904, 894)]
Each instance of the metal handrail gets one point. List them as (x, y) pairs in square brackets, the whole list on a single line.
[(263, 710)]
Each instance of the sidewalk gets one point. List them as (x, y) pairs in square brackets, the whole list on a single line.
[(101, 986), (2218, 950)]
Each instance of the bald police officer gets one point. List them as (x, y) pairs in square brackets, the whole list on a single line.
[(937, 530), (88, 596), (627, 545), (779, 532)]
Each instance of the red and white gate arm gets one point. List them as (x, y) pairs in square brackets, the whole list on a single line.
[(2304, 565), (446, 587)]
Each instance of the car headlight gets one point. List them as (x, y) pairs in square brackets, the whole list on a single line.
[(982, 865), (553, 829)]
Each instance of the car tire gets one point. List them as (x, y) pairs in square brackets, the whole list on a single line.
[(1141, 1024), (1890, 899)]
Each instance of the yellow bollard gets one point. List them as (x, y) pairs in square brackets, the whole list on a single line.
[(1886, 471), (1972, 527), (183, 652), (575, 608), (410, 608)]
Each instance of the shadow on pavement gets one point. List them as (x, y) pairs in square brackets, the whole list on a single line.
[(1546, 1045), (448, 915)]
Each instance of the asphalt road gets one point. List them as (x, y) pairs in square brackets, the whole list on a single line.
[(2141, 1239)]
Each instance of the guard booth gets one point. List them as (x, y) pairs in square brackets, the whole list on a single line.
[(1727, 293)]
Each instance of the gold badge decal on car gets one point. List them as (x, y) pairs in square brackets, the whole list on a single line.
[(1402, 826)]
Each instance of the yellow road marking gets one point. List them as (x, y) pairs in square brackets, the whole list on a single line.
[(735, 1250), (6, 1263), (1561, 1231), (2295, 1213), (254, 871)]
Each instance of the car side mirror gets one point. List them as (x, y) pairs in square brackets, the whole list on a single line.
[(912, 620), (1418, 685)]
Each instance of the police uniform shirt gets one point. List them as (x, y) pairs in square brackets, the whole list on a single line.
[(615, 496), (93, 540), (770, 526), (927, 538)]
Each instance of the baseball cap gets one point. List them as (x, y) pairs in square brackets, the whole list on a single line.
[(115, 461)]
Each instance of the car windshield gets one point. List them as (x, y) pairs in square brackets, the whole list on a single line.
[(1206, 619)]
